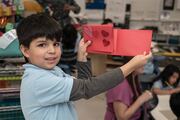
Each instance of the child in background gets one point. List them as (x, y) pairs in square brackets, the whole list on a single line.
[(60, 9), (126, 101), (167, 81), (69, 52), (46, 91), (175, 104)]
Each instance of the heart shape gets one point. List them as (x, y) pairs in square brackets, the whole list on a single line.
[(104, 33), (106, 42)]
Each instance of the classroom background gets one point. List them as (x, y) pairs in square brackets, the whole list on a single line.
[(160, 16)]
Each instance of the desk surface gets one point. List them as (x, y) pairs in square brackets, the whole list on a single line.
[(163, 110)]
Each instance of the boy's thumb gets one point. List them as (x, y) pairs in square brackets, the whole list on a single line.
[(149, 55), (88, 43)]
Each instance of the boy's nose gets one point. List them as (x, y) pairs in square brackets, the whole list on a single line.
[(51, 49)]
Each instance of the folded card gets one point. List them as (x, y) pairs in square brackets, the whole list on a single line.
[(122, 42)]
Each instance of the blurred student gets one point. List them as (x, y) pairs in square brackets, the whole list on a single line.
[(126, 101), (167, 81), (60, 9), (70, 40)]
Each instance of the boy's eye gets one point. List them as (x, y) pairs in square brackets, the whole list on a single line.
[(57, 44), (42, 45)]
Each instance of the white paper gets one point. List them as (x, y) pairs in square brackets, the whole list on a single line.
[(178, 4), (145, 9), (7, 38), (94, 14), (115, 10)]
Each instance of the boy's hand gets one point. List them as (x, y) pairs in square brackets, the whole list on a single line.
[(135, 63), (140, 60), (82, 54)]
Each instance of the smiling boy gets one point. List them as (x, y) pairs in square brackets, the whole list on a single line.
[(46, 91)]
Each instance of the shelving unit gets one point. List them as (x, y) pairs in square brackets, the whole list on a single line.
[(11, 59), (101, 63), (10, 79), (10, 108), (10, 71)]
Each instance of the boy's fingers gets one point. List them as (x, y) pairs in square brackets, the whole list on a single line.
[(149, 55), (88, 43), (144, 53)]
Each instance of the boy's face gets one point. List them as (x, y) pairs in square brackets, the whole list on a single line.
[(43, 53)]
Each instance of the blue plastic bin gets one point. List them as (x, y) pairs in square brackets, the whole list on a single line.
[(11, 51)]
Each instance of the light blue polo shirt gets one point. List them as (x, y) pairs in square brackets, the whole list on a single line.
[(45, 94)]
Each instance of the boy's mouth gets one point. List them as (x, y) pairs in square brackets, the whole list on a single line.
[(51, 59)]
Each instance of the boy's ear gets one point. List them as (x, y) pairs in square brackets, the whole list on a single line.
[(24, 50)]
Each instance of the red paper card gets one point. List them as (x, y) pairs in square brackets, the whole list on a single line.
[(122, 42), (131, 42), (101, 37)]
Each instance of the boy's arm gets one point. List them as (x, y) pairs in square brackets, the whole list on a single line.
[(88, 86), (84, 70)]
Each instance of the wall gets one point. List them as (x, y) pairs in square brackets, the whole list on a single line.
[(151, 13)]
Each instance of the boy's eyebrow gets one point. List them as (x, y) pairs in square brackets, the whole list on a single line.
[(41, 41)]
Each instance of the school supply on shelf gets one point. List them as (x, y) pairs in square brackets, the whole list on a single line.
[(9, 45)]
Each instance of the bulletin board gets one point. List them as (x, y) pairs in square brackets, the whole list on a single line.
[(172, 15), (115, 9), (145, 9)]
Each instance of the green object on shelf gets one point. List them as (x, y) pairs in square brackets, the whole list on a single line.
[(11, 51), (10, 78), (9, 26)]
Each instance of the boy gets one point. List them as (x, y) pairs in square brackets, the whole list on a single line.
[(46, 91)]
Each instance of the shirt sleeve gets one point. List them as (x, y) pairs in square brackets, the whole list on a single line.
[(84, 70), (120, 93), (50, 89), (157, 84), (87, 86)]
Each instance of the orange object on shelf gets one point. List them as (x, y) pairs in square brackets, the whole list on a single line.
[(32, 5)]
